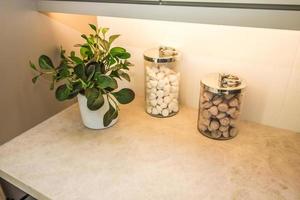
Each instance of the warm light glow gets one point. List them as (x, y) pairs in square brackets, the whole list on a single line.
[(77, 22)]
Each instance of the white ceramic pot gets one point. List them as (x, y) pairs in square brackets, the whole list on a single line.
[(93, 119)]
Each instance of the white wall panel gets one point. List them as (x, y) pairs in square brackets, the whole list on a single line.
[(265, 58)]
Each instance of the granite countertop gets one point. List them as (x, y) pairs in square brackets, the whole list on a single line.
[(143, 157)]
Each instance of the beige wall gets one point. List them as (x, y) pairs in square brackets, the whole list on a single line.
[(77, 22), (24, 35)]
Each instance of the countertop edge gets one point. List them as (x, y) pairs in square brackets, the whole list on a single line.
[(24, 187)]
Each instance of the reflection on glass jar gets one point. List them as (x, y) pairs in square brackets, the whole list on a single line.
[(161, 82), (220, 105)]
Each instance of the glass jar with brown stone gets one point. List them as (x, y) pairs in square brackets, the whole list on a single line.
[(220, 105)]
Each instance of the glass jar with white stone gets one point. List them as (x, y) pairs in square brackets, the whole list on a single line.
[(162, 81), (220, 105)]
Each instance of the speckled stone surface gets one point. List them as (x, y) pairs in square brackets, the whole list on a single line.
[(142, 157)]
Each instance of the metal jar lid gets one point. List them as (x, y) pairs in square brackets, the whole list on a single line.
[(223, 83), (161, 55)]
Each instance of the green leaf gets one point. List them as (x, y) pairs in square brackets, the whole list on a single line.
[(62, 53), (45, 62), (90, 71), (75, 59), (111, 60), (124, 55), (63, 71), (85, 51), (104, 30), (76, 88), (117, 50), (100, 68), (62, 92), (120, 53), (110, 115), (95, 104), (79, 71), (124, 75), (105, 81), (124, 96), (84, 36), (32, 65), (34, 79), (115, 74), (91, 93), (112, 38), (93, 27), (95, 99)]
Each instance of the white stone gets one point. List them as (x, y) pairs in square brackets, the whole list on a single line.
[(162, 67), (153, 102), (149, 109), (171, 106), (149, 85), (159, 109), (174, 89), (166, 89), (152, 96), (174, 83), (160, 75), (163, 105), (167, 99), (153, 83), (151, 75), (175, 101), (161, 84), (166, 70), (165, 112), (155, 69), (160, 93), (172, 78), (148, 70), (160, 100), (154, 111), (174, 95), (167, 82), (153, 90), (175, 108)]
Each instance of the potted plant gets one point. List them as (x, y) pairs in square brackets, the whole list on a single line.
[(92, 77)]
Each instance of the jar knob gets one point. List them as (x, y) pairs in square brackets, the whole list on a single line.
[(167, 51), (229, 80)]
